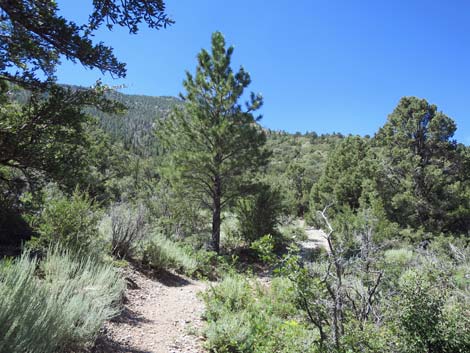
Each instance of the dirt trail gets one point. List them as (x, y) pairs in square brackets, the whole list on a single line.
[(315, 238), (161, 316)]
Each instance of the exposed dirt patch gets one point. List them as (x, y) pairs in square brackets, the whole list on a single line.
[(316, 238), (161, 315)]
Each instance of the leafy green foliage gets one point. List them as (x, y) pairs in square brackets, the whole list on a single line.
[(62, 310), (48, 139), (176, 215), (427, 322), (44, 138), (264, 248), (71, 222), (47, 135), (356, 298), (411, 174), (420, 178), (297, 163), (361, 298), (163, 254), (366, 294), (344, 174), (243, 317)]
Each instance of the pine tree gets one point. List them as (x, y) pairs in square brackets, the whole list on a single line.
[(215, 144)]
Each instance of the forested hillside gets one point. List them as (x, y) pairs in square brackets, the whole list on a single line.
[(297, 160), (134, 127)]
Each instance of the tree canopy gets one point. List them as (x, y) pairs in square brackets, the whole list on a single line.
[(343, 176), (412, 170), (34, 36), (421, 163)]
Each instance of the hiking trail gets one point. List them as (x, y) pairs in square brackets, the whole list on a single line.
[(160, 315)]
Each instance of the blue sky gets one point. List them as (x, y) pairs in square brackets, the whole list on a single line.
[(321, 65)]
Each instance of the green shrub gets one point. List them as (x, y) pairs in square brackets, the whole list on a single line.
[(245, 318), (209, 264), (367, 337), (232, 294), (229, 326), (60, 310), (161, 253), (71, 222), (232, 333), (282, 292), (285, 336), (264, 248), (258, 215), (446, 246), (398, 257), (431, 317), (230, 237)]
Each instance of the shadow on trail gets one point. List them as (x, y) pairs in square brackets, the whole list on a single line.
[(170, 279), (107, 345), (167, 278), (130, 317)]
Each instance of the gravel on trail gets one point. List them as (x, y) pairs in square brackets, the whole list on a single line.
[(160, 315)]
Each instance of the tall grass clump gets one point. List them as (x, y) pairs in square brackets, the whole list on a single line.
[(161, 253), (58, 305)]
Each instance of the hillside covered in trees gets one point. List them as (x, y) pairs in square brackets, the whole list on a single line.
[(115, 209)]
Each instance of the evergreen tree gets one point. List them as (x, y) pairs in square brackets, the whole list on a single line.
[(215, 144), (300, 186), (342, 180), (420, 178), (259, 213)]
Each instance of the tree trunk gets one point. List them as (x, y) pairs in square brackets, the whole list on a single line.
[(215, 241)]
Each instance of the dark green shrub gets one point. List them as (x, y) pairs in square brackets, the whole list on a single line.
[(210, 265), (258, 214), (264, 248), (431, 319), (71, 222)]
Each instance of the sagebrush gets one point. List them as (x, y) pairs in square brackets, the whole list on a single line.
[(57, 305)]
